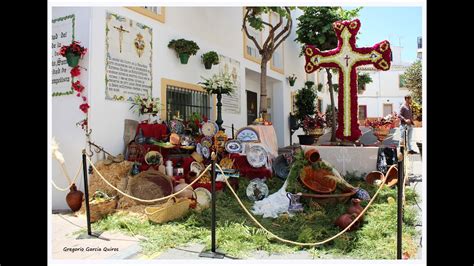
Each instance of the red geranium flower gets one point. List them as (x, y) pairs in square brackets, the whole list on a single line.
[(77, 86), (75, 71), (84, 107)]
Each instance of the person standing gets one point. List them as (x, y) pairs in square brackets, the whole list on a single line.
[(406, 125)]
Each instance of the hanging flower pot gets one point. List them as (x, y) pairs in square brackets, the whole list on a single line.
[(183, 57), (72, 59), (306, 139), (292, 83), (207, 65)]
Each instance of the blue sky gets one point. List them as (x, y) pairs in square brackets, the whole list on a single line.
[(399, 25)]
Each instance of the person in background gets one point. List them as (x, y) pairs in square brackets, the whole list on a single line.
[(406, 126)]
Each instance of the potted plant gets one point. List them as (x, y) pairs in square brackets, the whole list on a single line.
[(73, 53), (219, 84), (146, 106), (184, 49), (381, 126), (305, 102), (209, 59), (292, 79)]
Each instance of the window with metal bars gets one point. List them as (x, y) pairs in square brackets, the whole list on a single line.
[(182, 102)]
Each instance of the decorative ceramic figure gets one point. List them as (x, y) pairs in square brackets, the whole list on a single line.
[(295, 205)]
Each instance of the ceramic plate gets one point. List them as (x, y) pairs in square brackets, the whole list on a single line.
[(175, 139), (257, 190), (176, 126), (209, 129), (257, 156), (203, 198), (197, 167), (281, 167), (199, 148), (205, 152), (206, 142), (247, 134), (233, 146), (154, 157)]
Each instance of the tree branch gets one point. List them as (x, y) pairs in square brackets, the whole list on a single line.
[(270, 42), (244, 27), (286, 30)]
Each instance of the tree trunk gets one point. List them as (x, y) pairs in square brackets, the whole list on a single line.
[(333, 106), (263, 86)]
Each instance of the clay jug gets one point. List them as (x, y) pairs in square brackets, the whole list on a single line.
[(74, 198), (312, 155), (355, 208), (344, 220), (187, 193)]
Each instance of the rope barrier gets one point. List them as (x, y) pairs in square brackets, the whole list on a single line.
[(68, 178), (143, 200), (294, 242)]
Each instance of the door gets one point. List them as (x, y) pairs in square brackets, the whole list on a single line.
[(387, 109), (251, 107)]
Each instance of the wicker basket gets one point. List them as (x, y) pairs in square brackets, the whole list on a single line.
[(101, 209), (173, 209)]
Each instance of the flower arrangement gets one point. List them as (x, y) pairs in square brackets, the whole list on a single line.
[(195, 122), (146, 105), (221, 83), (313, 122), (74, 48), (387, 122)]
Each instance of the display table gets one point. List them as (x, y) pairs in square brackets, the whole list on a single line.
[(268, 139), (348, 159), (157, 131)]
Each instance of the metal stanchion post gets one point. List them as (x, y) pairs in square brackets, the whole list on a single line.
[(213, 253), (86, 194), (400, 187), (232, 131)]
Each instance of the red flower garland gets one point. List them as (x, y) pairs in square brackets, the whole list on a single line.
[(379, 57), (75, 71)]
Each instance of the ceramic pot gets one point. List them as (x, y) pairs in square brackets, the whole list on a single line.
[(355, 208), (72, 59), (373, 176), (312, 155), (187, 193), (392, 176), (184, 58), (74, 198), (344, 220)]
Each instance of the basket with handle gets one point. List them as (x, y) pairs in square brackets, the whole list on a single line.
[(173, 209)]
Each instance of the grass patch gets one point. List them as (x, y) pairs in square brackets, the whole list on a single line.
[(238, 236)]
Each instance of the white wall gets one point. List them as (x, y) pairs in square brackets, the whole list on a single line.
[(66, 112)]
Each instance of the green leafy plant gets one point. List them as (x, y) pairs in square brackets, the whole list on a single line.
[(362, 80), (182, 46), (413, 81), (305, 101), (211, 58)]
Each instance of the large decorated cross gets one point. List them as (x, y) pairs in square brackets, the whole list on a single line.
[(347, 57)]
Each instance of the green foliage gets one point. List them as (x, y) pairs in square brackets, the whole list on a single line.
[(329, 114), (255, 15), (239, 237), (305, 101), (362, 80), (182, 46), (210, 58), (320, 87), (315, 25), (413, 81)]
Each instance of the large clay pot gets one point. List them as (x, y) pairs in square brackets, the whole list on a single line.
[(392, 176), (344, 220), (373, 176), (312, 155), (74, 198), (355, 208), (187, 193)]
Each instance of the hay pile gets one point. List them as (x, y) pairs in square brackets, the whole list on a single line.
[(115, 173)]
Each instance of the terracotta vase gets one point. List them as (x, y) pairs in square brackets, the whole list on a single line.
[(312, 155), (187, 193), (344, 220), (74, 198), (355, 208), (392, 176)]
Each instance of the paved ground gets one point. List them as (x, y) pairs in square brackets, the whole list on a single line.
[(127, 247)]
